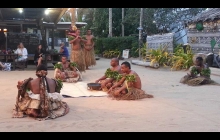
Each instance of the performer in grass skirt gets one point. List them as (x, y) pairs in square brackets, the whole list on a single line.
[(40, 97), (128, 86), (199, 74)]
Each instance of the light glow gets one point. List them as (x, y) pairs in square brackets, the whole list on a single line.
[(46, 12), (20, 10), (5, 30)]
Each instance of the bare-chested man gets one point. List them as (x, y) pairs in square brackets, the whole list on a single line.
[(89, 52), (106, 82), (40, 97), (67, 72), (127, 89), (77, 55)]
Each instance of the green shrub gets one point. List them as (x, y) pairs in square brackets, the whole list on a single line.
[(117, 43)]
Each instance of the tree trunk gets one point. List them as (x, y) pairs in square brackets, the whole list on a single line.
[(122, 24), (140, 31), (110, 22), (94, 12)]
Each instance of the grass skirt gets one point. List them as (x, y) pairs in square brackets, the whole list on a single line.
[(195, 81), (77, 56), (90, 57), (132, 94)]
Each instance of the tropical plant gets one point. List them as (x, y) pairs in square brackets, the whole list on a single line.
[(213, 43), (143, 51), (97, 51), (160, 56), (180, 59), (111, 53)]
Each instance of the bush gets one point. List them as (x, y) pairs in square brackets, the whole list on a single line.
[(117, 43)]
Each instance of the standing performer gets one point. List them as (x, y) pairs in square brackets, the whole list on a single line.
[(89, 52), (76, 42)]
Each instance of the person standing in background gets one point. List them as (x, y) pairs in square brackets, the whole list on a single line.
[(64, 50), (89, 52), (77, 54)]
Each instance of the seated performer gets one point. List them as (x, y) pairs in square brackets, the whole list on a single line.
[(107, 80), (198, 74), (40, 97), (129, 85), (67, 71)]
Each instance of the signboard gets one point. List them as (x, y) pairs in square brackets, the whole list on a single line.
[(125, 54)]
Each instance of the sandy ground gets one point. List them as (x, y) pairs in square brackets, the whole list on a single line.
[(174, 108)]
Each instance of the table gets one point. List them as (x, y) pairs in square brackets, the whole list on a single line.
[(7, 57)]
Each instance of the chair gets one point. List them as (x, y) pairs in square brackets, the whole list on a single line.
[(21, 64)]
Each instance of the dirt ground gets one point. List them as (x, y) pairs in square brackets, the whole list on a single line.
[(174, 108)]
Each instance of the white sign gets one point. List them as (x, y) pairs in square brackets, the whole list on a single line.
[(125, 53), (140, 28)]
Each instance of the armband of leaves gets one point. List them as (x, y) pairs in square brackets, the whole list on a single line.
[(111, 74), (57, 65), (130, 78), (206, 72), (118, 77), (194, 71), (108, 73), (59, 85), (73, 64), (70, 38), (114, 74)]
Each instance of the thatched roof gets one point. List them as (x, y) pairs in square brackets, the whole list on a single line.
[(209, 15)]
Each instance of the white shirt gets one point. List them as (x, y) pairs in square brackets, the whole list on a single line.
[(23, 52)]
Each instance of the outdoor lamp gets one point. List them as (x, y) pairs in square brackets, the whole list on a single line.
[(5, 30)]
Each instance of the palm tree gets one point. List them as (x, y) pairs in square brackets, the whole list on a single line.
[(110, 22), (122, 23), (140, 31)]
